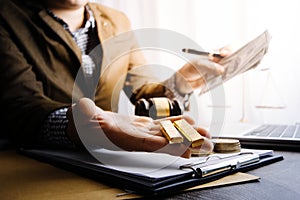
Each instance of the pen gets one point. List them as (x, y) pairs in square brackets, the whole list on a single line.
[(204, 53)]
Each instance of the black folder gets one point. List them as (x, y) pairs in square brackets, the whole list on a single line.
[(189, 175)]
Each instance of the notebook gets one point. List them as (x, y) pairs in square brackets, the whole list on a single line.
[(271, 136)]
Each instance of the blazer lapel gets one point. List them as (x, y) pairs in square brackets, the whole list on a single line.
[(59, 30), (67, 38)]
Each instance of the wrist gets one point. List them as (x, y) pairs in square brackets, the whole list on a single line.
[(178, 89), (181, 85), (71, 130)]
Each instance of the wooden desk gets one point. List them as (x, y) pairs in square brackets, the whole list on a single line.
[(25, 178)]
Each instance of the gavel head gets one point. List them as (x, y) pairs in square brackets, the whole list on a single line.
[(158, 107)]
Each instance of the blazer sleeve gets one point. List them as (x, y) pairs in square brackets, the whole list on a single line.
[(142, 79), (23, 105)]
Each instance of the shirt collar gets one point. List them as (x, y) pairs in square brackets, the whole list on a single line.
[(89, 21)]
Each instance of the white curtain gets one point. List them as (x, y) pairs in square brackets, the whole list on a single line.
[(215, 23)]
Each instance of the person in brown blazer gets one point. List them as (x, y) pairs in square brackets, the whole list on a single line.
[(54, 63)]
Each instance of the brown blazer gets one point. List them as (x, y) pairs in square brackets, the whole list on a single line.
[(39, 62)]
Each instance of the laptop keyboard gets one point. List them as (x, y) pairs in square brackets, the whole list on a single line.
[(276, 131)]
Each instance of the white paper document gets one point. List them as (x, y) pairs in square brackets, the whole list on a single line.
[(159, 165)]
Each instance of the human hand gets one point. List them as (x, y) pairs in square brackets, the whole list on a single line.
[(132, 133), (192, 74)]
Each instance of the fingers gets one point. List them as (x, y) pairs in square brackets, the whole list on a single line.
[(203, 132), (211, 65), (156, 127), (133, 133), (182, 149), (161, 145), (208, 66), (206, 147), (196, 71), (174, 118), (176, 150), (153, 143), (226, 50)]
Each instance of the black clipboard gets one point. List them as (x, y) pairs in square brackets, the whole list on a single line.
[(84, 164)]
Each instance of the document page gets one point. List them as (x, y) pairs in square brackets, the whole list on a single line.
[(142, 166), (159, 165)]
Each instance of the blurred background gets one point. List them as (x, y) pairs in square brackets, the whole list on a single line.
[(268, 94)]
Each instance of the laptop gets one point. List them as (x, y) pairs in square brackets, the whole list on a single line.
[(274, 136)]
